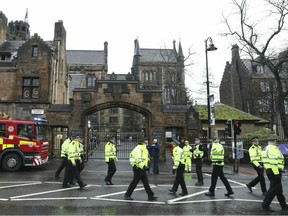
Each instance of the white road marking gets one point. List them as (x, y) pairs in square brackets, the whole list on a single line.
[(130, 201), (200, 201), (187, 196), (54, 198), (45, 192), (3, 199), (121, 192), (20, 185)]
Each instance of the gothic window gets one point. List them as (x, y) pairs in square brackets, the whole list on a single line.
[(286, 106), (30, 88), (284, 87), (146, 76), (260, 69), (91, 80), (264, 86), (34, 51), (167, 95)]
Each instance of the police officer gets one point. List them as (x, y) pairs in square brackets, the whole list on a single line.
[(179, 167), (64, 155), (198, 154), (255, 153), (139, 161), (273, 161), (217, 159), (80, 163), (188, 156), (71, 168), (110, 158)]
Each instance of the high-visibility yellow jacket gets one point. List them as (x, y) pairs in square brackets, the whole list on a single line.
[(64, 147), (139, 156), (178, 156), (255, 153), (197, 153), (187, 151), (110, 151), (217, 154), (73, 152), (273, 159)]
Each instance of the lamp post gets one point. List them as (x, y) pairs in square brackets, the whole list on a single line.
[(208, 47)]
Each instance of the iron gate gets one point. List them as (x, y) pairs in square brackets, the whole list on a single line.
[(125, 143)]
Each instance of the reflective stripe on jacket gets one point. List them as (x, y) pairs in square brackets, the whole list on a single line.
[(110, 151), (197, 153), (273, 159), (139, 156), (217, 154), (178, 156), (255, 153)]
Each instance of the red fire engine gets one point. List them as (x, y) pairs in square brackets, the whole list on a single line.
[(23, 143)]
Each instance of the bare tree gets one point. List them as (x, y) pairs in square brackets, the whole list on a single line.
[(174, 76), (259, 46)]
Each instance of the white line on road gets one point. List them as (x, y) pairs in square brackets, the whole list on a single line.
[(20, 185), (185, 197), (130, 201), (53, 198), (200, 201), (121, 192), (45, 192)]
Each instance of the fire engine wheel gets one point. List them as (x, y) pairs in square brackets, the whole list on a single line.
[(12, 162)]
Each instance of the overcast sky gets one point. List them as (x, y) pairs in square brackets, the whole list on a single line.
[(156, 23)]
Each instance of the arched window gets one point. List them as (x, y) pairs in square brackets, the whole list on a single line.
[(90, 79)]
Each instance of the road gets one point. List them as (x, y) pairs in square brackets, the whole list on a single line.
[(35, 191)]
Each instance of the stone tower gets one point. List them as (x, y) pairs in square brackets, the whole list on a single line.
[(3, 27), (19, 30)]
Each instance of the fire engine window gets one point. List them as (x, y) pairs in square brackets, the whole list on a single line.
[(3, 130), (23, 130)]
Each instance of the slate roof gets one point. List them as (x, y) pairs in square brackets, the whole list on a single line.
[(225, 112), (85, 57), (158, 55), (10, 46), (13, 46), (265, 74), (75, 82)]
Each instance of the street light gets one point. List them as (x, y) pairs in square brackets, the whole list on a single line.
[(208, 47)]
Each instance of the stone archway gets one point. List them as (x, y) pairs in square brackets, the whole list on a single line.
[(125, 147)]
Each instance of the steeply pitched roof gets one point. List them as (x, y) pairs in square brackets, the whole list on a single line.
[(158, 55), (10, 46), (85, 57), (224, 112)]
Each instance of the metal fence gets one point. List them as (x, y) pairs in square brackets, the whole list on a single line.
[(125, 143)]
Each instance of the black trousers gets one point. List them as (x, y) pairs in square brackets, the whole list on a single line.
[(179, 179), (72, 172), (218, 172), (139, 174), (156, 165), (275, 189), (62, 166), (260, 178), (111, 170), (198, 163)]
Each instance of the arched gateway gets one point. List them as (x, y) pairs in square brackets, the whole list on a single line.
[(182, 120)]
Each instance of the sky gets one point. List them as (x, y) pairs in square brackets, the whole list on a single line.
[(156, 23)]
